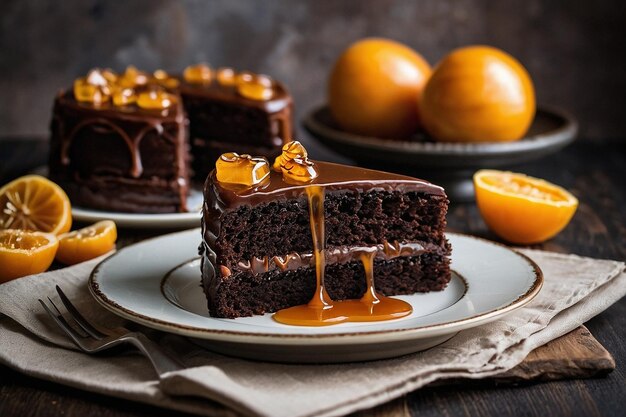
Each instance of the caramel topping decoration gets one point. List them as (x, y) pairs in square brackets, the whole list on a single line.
[(198, 74), (109, 75), (123, 96), (232, 168), (291, 150), (299, 170), (295, 164), (162, 78), (96, 78), (132, 87), (160, 75), (89, 93), (244, 77), (226, 76), (133, 77), (155, 99), (255, 87)]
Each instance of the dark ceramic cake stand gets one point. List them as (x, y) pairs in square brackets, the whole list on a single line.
[(450, 165)]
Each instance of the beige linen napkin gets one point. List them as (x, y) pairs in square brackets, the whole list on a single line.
[(575, 290)]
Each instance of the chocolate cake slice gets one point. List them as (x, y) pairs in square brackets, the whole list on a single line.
[(257, 251), (120, 146), (223, 117)]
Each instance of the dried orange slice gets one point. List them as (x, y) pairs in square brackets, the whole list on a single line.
[(522, 209), (87, 243), (35, 203), (24, 253)]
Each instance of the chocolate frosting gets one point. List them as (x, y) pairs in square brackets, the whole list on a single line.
[(131, 124), (331, 176), (216, 91)]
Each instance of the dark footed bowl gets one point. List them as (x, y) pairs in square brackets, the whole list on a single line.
[(450, 165)]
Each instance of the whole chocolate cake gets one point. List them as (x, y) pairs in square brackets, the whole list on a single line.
[(258, 251), (121, 142)]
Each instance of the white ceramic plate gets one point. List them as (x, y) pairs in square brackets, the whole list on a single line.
[(144, 220), (157, 283)]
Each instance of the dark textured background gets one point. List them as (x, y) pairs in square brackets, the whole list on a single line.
[(574, 50)]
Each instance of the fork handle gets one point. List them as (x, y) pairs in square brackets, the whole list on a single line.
[(161, 360)]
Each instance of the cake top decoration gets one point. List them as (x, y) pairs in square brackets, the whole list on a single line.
[(291, 150), (232, 168), (295, 164), (124, 96), (132, 87), (247, 84), (256, 87), (244, 77), (198, 74), (96, 77), (133, 77), (225, 76), (299, 170), (86, 92), (163, 79), (155, 98)]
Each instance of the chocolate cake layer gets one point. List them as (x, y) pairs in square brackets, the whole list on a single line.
[(249, 294), (351, 218), (259, 240), (221, 120), (121, 159)]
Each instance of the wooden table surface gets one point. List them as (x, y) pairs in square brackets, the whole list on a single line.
[(594, 172)]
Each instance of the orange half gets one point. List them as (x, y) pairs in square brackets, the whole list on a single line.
[(522, 209), (24, 253), (87, 243), (35, 203)]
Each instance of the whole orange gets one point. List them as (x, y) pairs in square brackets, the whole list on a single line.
[(374, 88), (478, 94)]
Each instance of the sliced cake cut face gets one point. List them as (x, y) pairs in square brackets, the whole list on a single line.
[(258, 240), (117, 152), (233, 111)]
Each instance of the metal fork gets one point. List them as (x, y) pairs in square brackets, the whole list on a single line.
[(93, 339)]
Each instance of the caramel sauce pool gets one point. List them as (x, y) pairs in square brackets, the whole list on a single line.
[(321, 310)]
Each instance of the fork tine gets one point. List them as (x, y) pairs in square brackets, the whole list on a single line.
[(81, 333), (60, 321), (78, 330), (82, 321)]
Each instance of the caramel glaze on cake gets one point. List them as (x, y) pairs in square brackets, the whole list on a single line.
[(128, 159), (223, 120), (257, 252)]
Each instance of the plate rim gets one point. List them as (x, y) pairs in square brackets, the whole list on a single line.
[(139, 220), (561, 136), (335, 338)]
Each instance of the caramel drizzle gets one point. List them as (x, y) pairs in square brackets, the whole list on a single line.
[(342, 254), (316, 194), (321, 310)]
